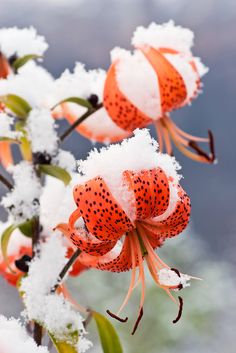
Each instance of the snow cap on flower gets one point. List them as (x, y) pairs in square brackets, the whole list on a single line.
[(166, 35), (22, 201), (41, 131), (136, 154), (133, 72), (21, 42), (6, 123), (14, 338)]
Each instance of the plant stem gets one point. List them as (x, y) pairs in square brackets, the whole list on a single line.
[(79, 121), (38, 332), (6, 182), (66, 268)]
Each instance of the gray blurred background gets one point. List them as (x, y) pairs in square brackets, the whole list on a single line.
[(86, 30)]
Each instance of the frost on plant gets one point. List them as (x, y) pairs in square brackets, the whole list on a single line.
[(122, 203)]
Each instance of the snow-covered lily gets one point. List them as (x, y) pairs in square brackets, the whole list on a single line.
[(127, 209)]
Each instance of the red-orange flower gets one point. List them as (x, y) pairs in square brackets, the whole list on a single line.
[(169, 79), (119, 235)]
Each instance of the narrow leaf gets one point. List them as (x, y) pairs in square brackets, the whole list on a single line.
[(80, 101), (23, 60), (25, 145), (56, 172), (108, 336), (16, 104), (62, 347), (6, 235)]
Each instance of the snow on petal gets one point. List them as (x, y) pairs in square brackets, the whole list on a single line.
[(166, 35), (133, 72), (136, 153)]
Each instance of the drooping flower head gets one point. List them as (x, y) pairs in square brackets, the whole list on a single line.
[(129, 202), (161, 75)]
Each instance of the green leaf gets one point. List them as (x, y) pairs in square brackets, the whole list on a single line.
[(62, 347), (6, 235), (80, 101), (27, 228), (56, 172), (23, 60), (16, 104), (25, 145), (108, 336)]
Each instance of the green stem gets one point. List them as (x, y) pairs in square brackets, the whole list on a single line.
[(79, 121)]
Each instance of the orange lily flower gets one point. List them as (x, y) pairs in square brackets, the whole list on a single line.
[(172, 81), (116, 238)]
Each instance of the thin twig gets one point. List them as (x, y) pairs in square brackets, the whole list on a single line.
[(66, 268), (79, 121), (38, 331), (5, 182)]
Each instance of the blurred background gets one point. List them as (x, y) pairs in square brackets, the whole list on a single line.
[(79, 30)]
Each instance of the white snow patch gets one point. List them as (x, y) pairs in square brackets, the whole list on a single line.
[(50, 309), (166, 35), (138, 81), (21, 41), (136, 154), (201, 68), (65, 160), (41, 131), (170, 278), (32, 83), (6, 131), (80, 83), (56, 203), (23, 201), (14, 338)]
